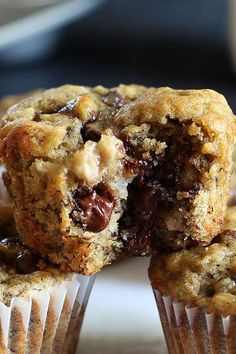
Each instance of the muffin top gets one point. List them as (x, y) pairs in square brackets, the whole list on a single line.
[(200, 275)]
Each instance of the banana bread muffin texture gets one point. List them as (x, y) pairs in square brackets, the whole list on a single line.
[(203, 275), (96, 171)]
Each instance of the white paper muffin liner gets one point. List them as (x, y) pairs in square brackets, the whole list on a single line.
[(191, 330), (49, 322)]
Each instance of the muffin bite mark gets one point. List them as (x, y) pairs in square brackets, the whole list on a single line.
[(165, 179)]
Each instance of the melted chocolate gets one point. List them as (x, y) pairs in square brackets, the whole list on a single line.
[(26, 262), (139, 244), (154, 190), (220, 237), (95, 210), (172, 240), (90, 131), (143, 205), (15, 255)]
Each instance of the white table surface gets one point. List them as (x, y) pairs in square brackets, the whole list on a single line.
[(121, 316)]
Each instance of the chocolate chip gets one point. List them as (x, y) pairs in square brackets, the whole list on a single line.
[(26, 262), (133, 166), (155, 189), (139, 244), (91, 131), (207, 291), (171, 240), (95, 210), (9, 250), (37, 117), (14, 254), (220, 237)]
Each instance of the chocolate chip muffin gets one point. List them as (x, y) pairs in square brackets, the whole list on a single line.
[(195, 291), (200, 275), (40, 306), (95, 172)]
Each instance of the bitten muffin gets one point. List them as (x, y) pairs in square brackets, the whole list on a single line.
[(95, 172)]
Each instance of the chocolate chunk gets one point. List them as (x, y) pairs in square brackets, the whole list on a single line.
[(91, 131), (144, 203), (95, 211), (133, 166), (161, 181), (139, 244), (10, 249), (26, 262), (207, 291), (219, 238), (131, 150), (16, 255), (37, 117), (153, 190), (171, 240)]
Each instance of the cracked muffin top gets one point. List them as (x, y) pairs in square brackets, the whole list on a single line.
[(95, 172)]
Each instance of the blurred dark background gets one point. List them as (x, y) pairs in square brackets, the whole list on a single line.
[(183, 44)]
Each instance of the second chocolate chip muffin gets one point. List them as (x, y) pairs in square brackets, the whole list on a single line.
[(201, 275), (94, 171), (195, 291)]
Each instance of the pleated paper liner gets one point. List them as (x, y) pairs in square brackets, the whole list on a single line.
[(49, 322), (191, 330)]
